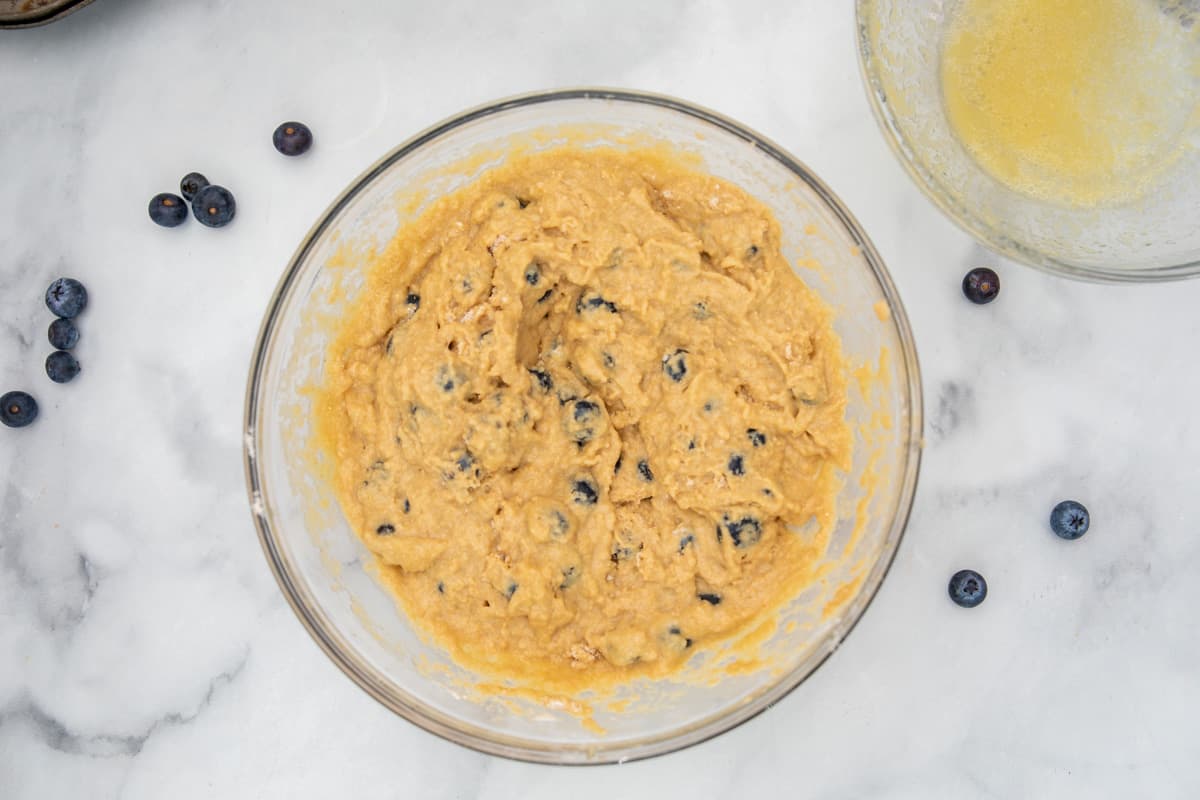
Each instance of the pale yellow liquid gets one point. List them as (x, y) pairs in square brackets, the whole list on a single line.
[(1074, 101)]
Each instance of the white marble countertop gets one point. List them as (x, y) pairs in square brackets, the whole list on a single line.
[(145, 651)]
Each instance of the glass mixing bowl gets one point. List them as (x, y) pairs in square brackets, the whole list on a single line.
[(1153, 237), (322, 566)]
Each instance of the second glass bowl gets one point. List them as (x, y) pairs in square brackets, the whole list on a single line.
[(1155, 237)]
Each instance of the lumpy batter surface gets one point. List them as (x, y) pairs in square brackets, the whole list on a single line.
[(580, 413)]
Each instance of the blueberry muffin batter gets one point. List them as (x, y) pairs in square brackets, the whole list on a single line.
[(581, 413)]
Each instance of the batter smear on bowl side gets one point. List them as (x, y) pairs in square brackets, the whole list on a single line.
[(581, 413)]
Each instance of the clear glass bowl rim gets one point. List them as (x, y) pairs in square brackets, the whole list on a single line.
[(447, 727), (941, 196)]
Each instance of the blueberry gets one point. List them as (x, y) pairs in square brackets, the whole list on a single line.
[(643, 468), (190, 184), (757, 437), (168, 210), (63, 334), (592, 302), (214, 206), (407, 506), (675, 365), (692, 444), (585, 410), (967, 588), (61, 366), (17, 409), (413, 300), (584, 491), (737, 465), (441, 587), (543, 378), (711, 598), (700, 310), (292, 138), (510, 590), (981, 285), (66, 298), (1070, 520), (532, 273), (386, 529), (744, 531), (464, 460), (684, 541)]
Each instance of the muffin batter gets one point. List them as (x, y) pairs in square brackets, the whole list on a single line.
[(576, 411)]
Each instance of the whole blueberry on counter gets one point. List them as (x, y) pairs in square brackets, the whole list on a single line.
[(191, 184), (66, 298), (61, 366), (63, 334), (214, 206), (967, 588), (981, 285), (1070, 520), (17, 409), (292, 138), (168, 210)]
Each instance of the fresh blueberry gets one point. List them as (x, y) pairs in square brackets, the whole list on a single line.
[(532, 273), (643, 468), (981, 285), (214, 206), (17, 409), (168, 210), (386, 529), (584, 491), (1070, 520), (61, 366), (712, 598), (675, 365), (757, 437), (66, 298), (967, 588), (744, 531), (292, 138), (192, 183), (63, 334), (737, 465)]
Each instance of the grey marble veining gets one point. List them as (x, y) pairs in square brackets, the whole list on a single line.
[(145, 651)]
